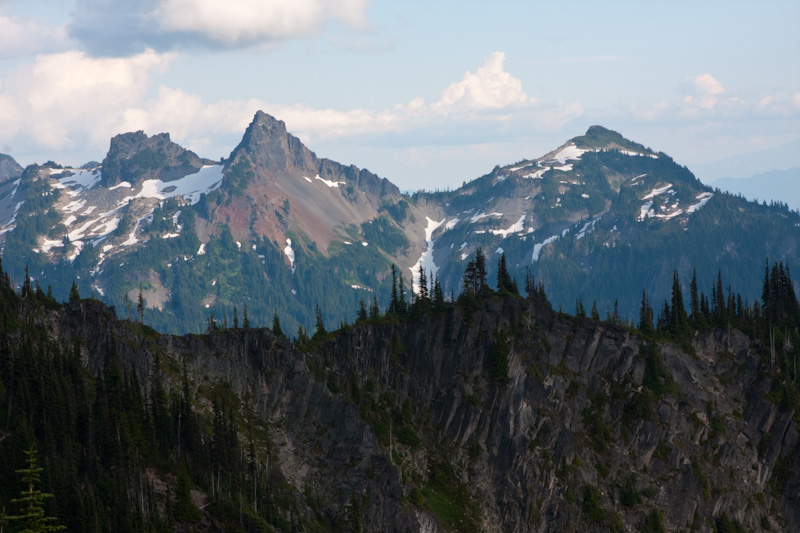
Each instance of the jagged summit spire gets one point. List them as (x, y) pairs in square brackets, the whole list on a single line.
[(267, 142)]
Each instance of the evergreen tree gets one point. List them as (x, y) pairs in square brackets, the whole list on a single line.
[(720, 300), (73, 293), (474, 278), (580, 312), (235, 318), (595, 312), (480, 270), (127, 302), (374, 309), (645, 314), (402, 307), (245, 319), (423, 283), (31, 501), (276, 325), (678, 321), (438, 297), (694, 303), (504, 283), (140, 305), (320, 326), (530, 283), (302, 336), (362, 312), (469, 279), (394, 302), (27, 289)]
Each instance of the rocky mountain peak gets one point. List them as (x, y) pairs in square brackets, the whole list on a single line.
[(9, 168), (602, 138), (134, 157), (267, 144)]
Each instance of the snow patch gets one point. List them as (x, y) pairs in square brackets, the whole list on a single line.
[(481, 215), (426, 259), (77, 178), (307, 179), (589, 226), (121, 184), (516, 227), (190, 187), (329, 183), (704, 197), (539, 174), (569, 152), (361, 287), (289, 253), (201, 250), (48, 244), (646, 210), (74, 205), (132, 237), (657, 191), (537, 248), (499, 250)]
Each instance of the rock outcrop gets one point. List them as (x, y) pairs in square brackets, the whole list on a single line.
[(9, 168), (135, 157), (589, 426)]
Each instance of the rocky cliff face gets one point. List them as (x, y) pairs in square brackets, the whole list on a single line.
[(421, 426), (135, 157), (9, 169)]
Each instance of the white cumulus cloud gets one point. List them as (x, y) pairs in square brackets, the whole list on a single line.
[(22, 37), (116, 27), (706, 92), (242, 21), (67, 104), (491, 87), (61, 101)]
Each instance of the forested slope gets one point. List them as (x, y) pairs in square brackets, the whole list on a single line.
[(492, 413)]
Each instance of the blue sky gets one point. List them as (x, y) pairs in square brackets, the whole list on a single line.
[(426, 94)]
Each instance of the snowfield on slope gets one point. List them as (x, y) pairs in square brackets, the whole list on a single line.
[(190, 187), (426, 259), (569, 152), (704, 197)]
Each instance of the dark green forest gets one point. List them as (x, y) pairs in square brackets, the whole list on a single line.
[(122, 450)]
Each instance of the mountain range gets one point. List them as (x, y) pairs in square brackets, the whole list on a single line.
[(283, 233), (775, 185)]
